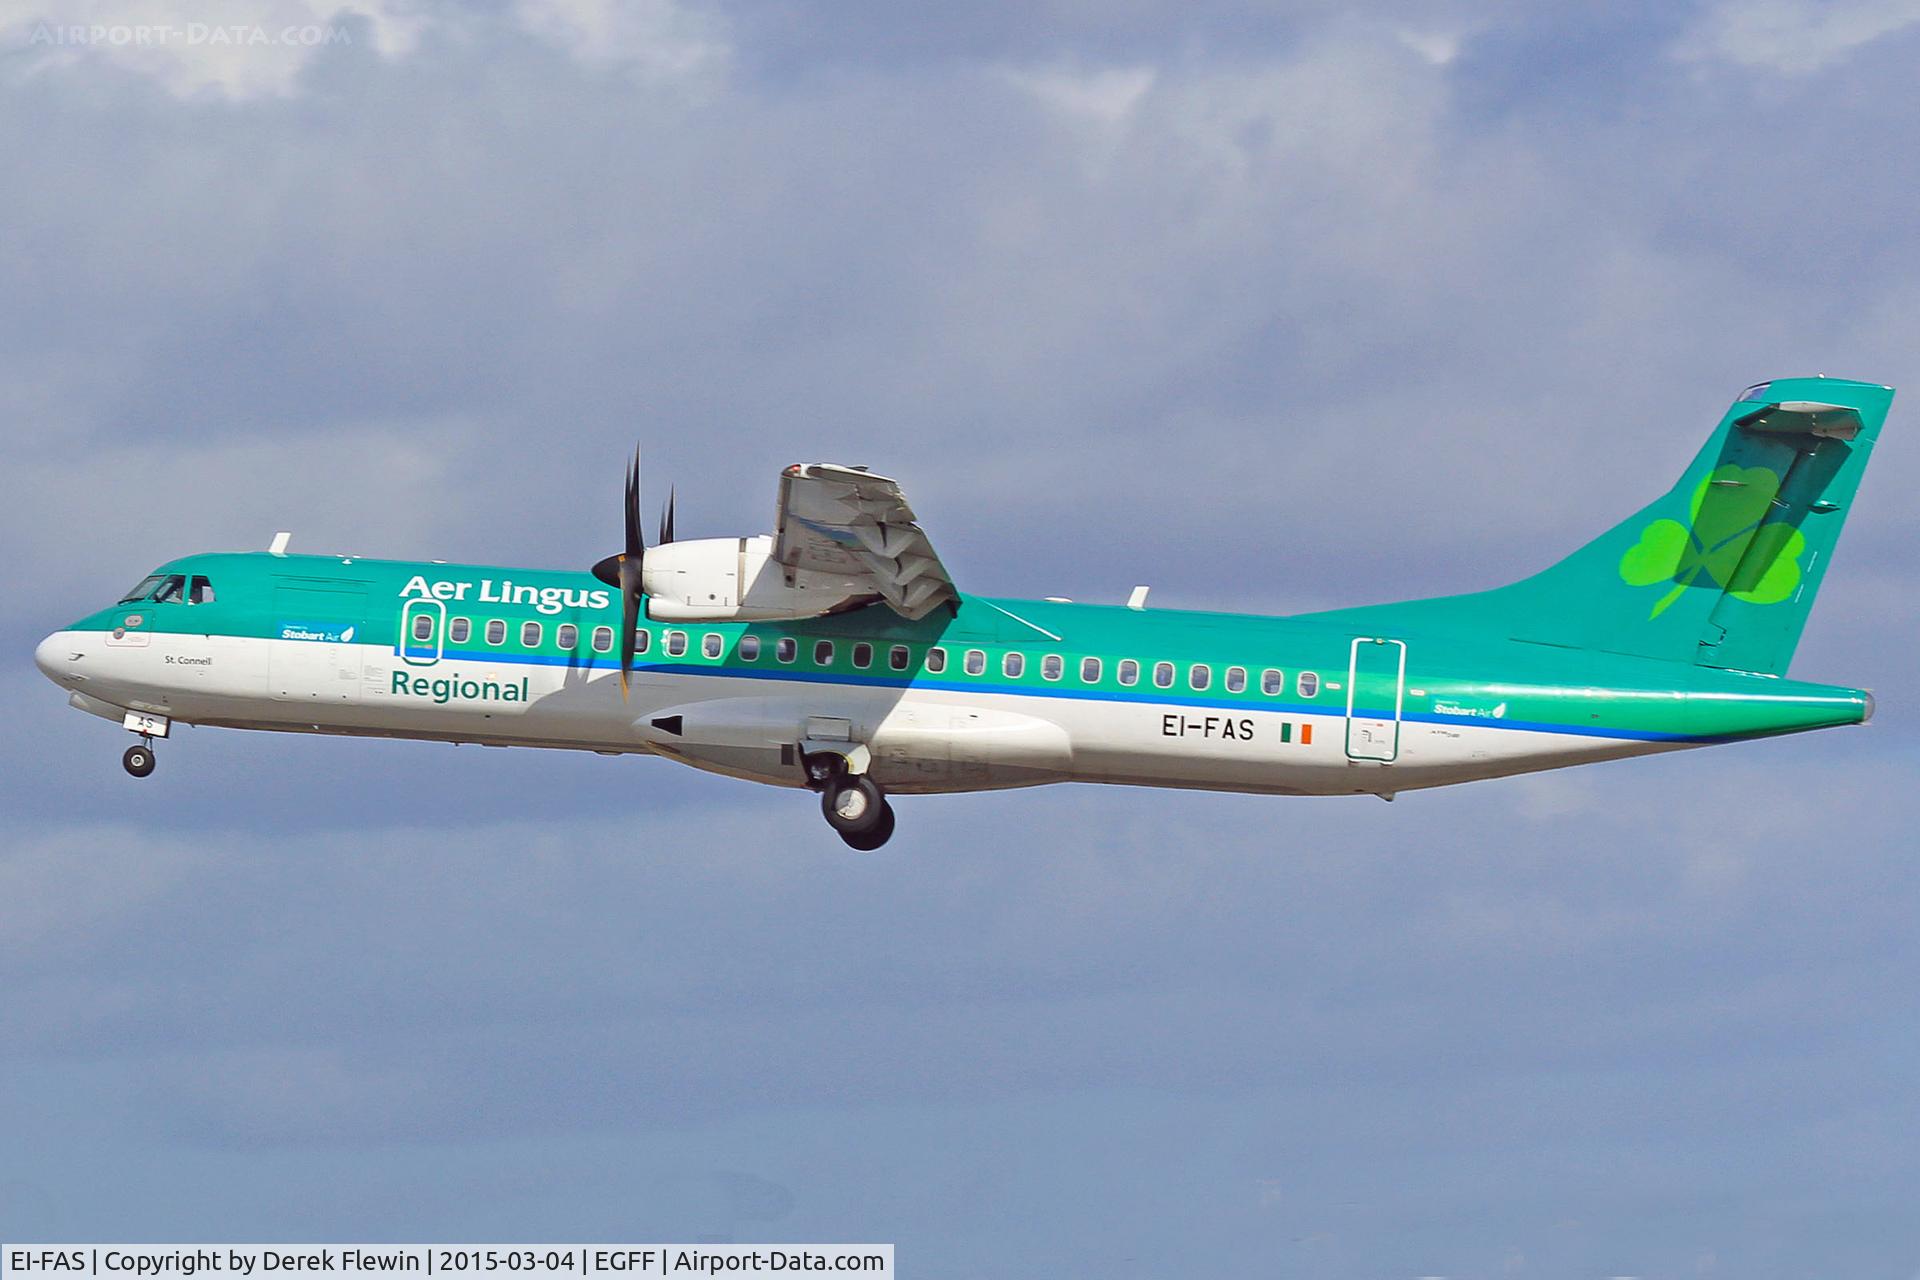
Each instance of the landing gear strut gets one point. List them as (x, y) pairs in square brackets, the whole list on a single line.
[(139, 760), (852, 803)]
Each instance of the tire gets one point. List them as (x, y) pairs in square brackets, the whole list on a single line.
[(853, 805), (875, 838), (138, 761)]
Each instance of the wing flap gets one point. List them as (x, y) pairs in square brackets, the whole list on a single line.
[(848, 521)]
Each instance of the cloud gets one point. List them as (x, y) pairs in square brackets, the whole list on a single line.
[(1103, 920), (234, 49), (1796, 37), (139, 502), (1438, 46), (1106, 96), (239, 50), (1073, 266), (661, 39)]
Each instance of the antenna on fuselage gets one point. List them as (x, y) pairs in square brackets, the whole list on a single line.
[(1138, 600), (278, 547)]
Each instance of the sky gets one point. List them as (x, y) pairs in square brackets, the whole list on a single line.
[(1274, 307)]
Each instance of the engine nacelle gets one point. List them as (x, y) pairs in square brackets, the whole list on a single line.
[(737, 579)]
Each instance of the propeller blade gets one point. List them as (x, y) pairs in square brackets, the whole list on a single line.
[(631, 560), (666, 519), (629, 619), (636, 542), (635, 546)]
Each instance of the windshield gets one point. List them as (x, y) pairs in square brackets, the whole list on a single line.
[(145, 589)]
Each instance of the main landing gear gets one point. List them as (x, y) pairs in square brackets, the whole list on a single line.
[(852, 803), (139, 760)]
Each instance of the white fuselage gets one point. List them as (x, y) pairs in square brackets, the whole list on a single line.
[(920, 738)]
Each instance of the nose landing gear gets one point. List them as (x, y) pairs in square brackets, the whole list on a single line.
[(852, 803), (149, 725), (138, 761)]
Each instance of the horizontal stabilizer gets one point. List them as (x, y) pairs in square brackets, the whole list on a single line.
[(1804, 417)]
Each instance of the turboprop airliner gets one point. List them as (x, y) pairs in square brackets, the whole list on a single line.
[(837, 654)]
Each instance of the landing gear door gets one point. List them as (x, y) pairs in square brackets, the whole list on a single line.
[(1376, 690), (423, 626)]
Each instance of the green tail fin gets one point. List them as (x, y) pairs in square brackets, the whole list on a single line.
[(1722, 570)]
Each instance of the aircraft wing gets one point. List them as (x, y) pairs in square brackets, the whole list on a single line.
[(851, 523)]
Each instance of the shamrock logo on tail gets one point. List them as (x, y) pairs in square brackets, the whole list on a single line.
[(1728, 512)]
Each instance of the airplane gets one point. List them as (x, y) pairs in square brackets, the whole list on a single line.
[(838, 655)]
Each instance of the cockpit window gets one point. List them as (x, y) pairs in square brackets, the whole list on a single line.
[(201, 592), (171, 589), (145, 589)]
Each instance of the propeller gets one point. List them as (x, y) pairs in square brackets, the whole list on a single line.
[(666, 519), (623, 571)]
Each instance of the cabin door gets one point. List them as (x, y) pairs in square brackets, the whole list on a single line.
[(423, 631), (313, 657), (1376, 690)]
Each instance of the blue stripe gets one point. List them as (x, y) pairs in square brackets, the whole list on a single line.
[(1146, 697)]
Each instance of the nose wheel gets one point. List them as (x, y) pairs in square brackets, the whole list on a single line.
[(853, 805), (138, 760)]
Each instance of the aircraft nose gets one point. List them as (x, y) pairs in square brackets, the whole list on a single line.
[(51, 657)]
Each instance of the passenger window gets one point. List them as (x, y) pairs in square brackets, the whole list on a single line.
[(863, 655), (642, 639), (423, 626), (676, 643), (976, 662), (1051, 666), (749, 648), (1163, 675), (460, 628), (170, 589), (936, 660), (1013, 664), (711, 644), (530, 634), (1309, 684), (1236, 679), (201, 592), (568, 637), (1199, 675), (823, 653), (1129, 671), (1090, 671), (602, 638), (496, 632), (786, 648), (142, 589), (1273, 683), (898, 657)]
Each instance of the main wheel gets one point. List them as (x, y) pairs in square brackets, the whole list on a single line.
[(138, 761), (852, 804), (875, 838)]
